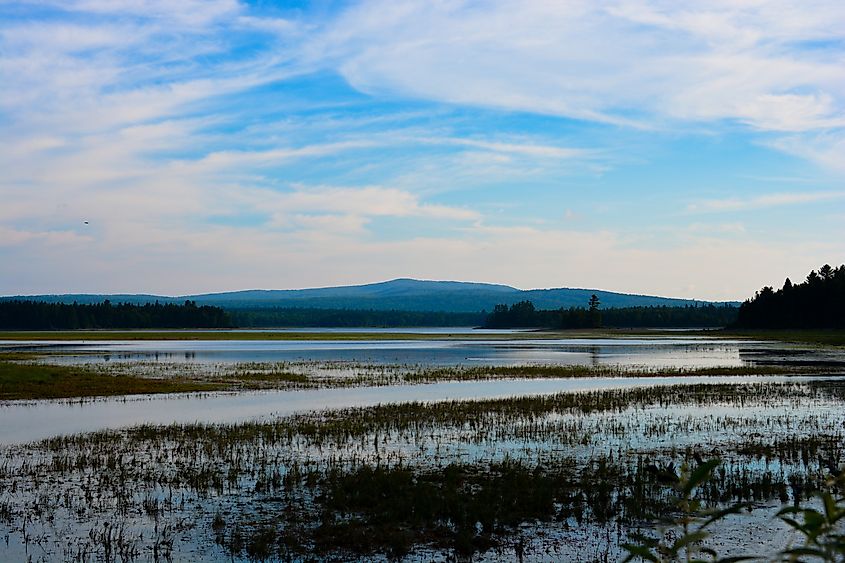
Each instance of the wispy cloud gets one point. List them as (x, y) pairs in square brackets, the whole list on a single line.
[(518, 148), (825, 148), (356, 205), (767, 200), (638, 63)]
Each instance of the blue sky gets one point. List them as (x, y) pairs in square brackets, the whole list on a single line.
[(691, 150)]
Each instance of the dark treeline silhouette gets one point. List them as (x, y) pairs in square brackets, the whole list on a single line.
[(39, 315), (524, 314), (521, 315), (704, 316), (310, 317), (818, 302)]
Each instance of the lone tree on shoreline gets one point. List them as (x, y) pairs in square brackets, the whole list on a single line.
[(595, 314)]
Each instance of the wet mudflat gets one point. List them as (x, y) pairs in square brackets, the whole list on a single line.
[(563, 468)]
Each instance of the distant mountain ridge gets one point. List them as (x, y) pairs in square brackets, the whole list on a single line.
[(401, 294)]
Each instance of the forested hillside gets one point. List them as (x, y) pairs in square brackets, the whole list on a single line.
[(394, 295), (299, 317), (38, 315)]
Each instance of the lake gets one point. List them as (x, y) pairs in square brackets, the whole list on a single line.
[(651, 352)]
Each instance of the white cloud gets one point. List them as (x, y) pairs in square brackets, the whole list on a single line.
[(233, 159), (518, 148), (12, 237), (635, 63), (717, 228), (826, 148), (767, 200), (184, 12), (330, 209)]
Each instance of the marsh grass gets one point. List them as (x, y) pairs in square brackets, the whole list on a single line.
[(327, 375), (42, 381)]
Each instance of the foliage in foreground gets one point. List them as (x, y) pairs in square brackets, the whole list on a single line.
[(683, 538)]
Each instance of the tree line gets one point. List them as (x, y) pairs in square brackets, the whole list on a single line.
[(40, 315), (818, 302), (312, 318), (524, 315)]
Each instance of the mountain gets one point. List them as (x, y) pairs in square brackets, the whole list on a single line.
[(400, 294)]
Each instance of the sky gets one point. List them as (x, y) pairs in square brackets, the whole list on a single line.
[(660, 147)]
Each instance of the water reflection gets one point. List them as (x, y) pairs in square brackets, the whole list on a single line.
[(637, 352)]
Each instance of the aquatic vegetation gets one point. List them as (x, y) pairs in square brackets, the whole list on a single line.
[(30, 380)]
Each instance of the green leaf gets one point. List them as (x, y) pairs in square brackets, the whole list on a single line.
[(688, 539), (635, 551), (805, 551), (790, 510), (794, 524), (700, 475), (719, 514), (829, 506), (813, 520)]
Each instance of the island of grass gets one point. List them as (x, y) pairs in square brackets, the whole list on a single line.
[(27, 380)]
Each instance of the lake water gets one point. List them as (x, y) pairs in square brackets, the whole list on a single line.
[(652, 352)]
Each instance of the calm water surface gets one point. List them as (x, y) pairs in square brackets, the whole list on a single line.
[(687, 352)]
